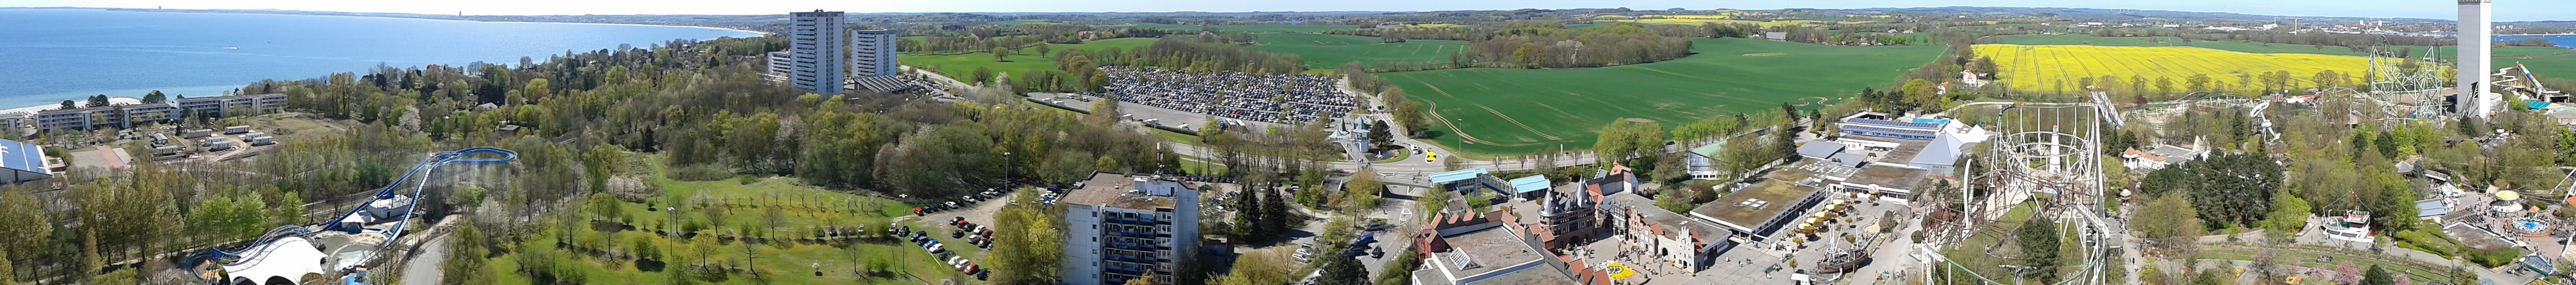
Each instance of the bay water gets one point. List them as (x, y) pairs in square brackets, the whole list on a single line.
[(50, 55)]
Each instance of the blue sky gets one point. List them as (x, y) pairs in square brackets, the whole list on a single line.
[(2507, 10)]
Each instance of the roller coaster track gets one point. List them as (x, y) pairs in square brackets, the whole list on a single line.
[(258, 247)]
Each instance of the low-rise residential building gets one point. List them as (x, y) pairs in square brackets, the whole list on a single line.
[(1120, 227), (128, 115)]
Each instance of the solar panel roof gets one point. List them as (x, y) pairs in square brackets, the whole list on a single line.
[(22, 156), (1888, 130)]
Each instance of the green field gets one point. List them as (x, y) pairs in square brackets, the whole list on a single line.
[(1514, 111), (1242, 28), (958, 66), (2547, 62), (1328, 51)]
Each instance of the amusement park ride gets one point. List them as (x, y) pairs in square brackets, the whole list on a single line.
[(304, 254)]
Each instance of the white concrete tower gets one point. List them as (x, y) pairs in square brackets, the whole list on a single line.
[(2476, 44)]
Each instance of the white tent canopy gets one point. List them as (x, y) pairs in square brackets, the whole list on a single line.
[(291, 259)]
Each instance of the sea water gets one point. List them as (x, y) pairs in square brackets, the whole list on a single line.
[(2562, 41), (50, 55)]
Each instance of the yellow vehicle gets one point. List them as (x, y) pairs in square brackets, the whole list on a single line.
[(1428, 156)]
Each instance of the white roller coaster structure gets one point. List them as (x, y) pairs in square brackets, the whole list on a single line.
[(2045, 149)]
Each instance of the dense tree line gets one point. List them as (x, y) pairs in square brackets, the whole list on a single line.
[(1207, 53), (1541, 45), (2226, 189)]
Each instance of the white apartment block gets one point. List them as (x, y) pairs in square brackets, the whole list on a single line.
[(814, 58), (1119, 228), (126, 116)]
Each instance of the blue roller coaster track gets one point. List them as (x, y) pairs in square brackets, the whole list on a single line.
[(236, 254)]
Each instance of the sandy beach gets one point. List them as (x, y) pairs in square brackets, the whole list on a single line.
[(31, 110)]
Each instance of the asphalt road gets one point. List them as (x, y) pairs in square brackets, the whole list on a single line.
[(425, 268)]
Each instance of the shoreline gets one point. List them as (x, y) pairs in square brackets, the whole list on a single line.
[(2539, 35), (373, 16), (31, 110), (764, 34)]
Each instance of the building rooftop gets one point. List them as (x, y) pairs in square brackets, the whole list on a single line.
[(1648, 213), (2173, 154), (1711, 150), (1532, 276), (1115, 190), (1489, 250), (1890, 177), (1531, 183), (1820, 149), (1738, 210), (1905, 151), (1455, 176), (1944, 150)]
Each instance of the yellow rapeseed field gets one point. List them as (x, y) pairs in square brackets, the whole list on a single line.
[(2058, 68)]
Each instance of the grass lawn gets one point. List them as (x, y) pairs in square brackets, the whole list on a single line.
[(961, 65), (2310, 260), (802, 209), (1193, 166), (1328, 51), (1518, 111), (2544, 61), (1400, 155), (1970, 253)]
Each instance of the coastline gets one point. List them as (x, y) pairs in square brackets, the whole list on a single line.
[(2539, 35), (372, 16), (764, 34), (31, 110)]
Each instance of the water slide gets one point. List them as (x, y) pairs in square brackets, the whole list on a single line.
[(334, 233)]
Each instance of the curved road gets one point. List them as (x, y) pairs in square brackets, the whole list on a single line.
[(427, 267)]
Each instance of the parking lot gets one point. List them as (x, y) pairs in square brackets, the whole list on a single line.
[(936, 226), (1165, 116)]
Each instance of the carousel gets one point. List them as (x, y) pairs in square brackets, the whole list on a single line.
[(2511, 216)]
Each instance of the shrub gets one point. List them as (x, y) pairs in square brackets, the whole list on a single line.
[(2495, 257), (2427, 242)]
